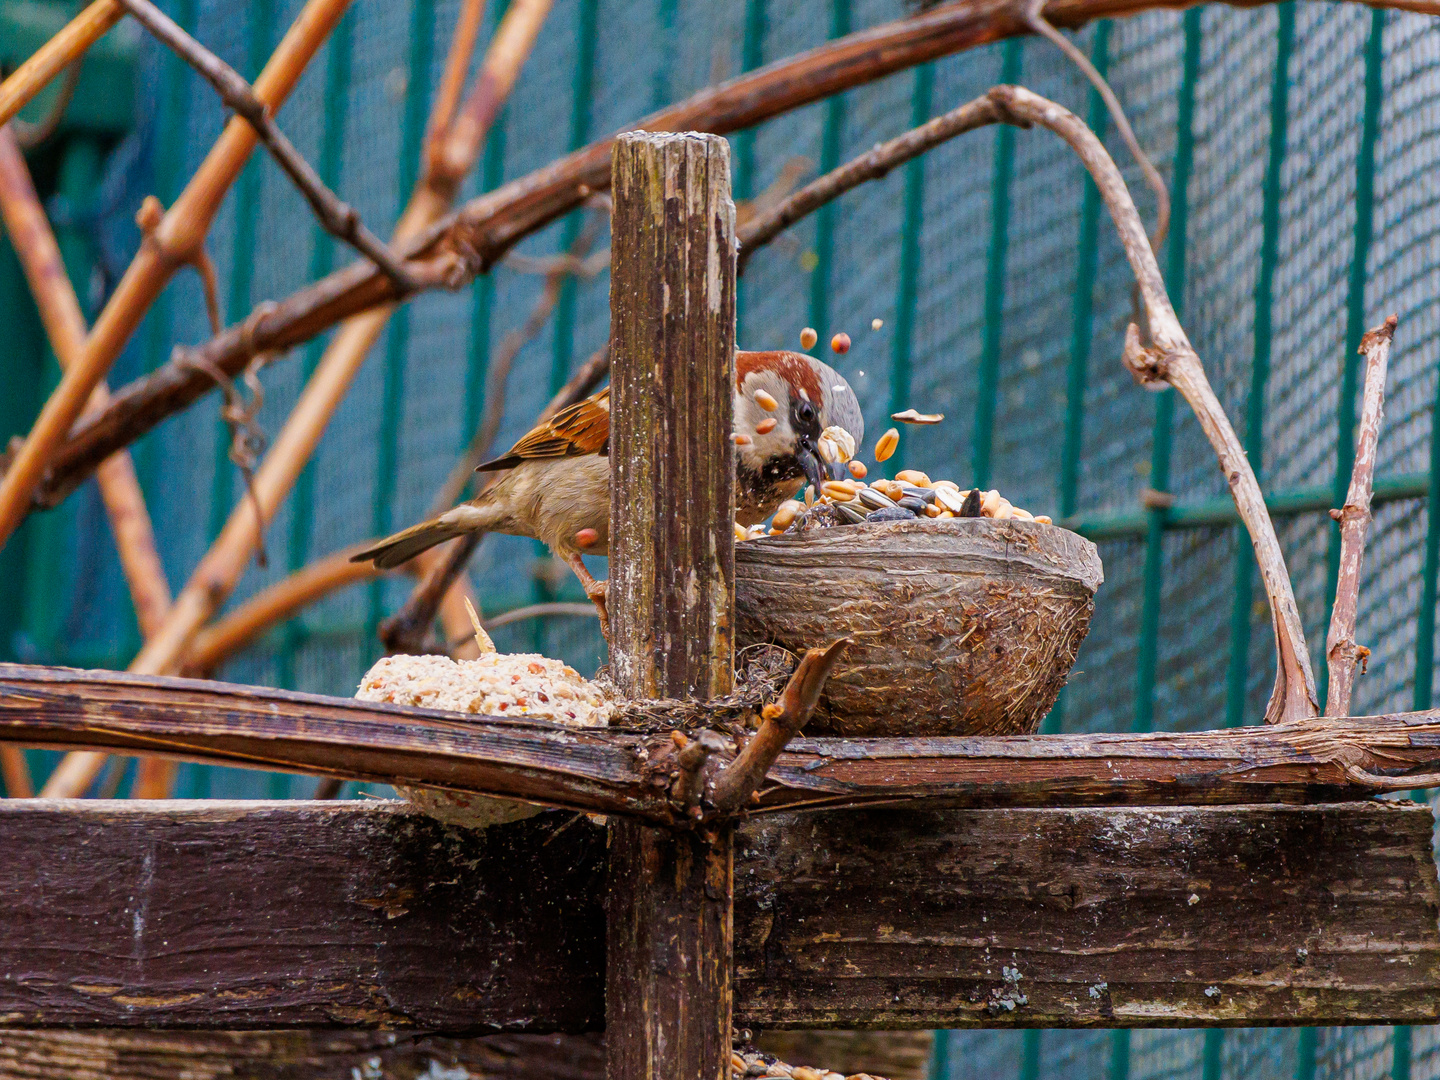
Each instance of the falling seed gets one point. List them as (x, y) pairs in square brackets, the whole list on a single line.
[(740, 440), (809, 496), (875, 324), (840, 343), (765, 401), (586, 538), (910, 416), (857, 469), (885, 447), (808, 337), (764, 427)]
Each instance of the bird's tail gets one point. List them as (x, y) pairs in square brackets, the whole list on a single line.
[(405, 545)]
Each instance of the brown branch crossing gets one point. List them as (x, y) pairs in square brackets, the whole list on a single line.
[(599, 771), (475, 237), (338, 218), (1354, 517)]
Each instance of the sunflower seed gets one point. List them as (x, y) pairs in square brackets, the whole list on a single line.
[(890, 513), (854, 517), (914, 505), (971, 507), (873, 499), (923, 494)]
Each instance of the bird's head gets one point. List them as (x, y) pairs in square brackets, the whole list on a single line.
[(802, 397)]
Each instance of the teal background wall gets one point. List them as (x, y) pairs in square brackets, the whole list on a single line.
[(1300, 144)]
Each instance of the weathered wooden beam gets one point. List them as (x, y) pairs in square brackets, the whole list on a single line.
[(293, 1055), (220, 723), (350, 915), (672, 587)]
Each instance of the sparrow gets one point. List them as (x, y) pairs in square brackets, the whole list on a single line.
[(556, 486)]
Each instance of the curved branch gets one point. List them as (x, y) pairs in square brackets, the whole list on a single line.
[(1173, 360), (62, 50)]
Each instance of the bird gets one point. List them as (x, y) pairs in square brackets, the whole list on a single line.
[(556, 486)]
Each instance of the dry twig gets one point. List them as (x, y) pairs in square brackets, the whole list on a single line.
[(739, 782), (62, 50), (1035, 20), (1340, 649), (336, 217), (171, 245)]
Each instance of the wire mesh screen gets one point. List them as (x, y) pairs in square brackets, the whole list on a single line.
[(1299, 143)]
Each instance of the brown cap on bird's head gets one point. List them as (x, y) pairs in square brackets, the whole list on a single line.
[(802, 396)]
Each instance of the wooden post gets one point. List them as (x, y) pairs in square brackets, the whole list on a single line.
[(672, 602)]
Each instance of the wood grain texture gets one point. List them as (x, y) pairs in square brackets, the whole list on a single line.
[(672, 339), (598, 770), (349, 915), (129, 1054), (960, 627), (672, 585)]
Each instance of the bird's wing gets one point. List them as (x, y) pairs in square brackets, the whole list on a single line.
[(582, 428)]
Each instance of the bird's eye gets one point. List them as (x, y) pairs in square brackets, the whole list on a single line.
[(807, 411)]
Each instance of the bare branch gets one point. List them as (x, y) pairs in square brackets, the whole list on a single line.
[(1173, 360), (62, 50), (338, 218), (31, 135), (1035, 20), (1340, 649), (739, 782)]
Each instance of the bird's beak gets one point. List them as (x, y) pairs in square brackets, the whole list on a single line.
[(810, 463)]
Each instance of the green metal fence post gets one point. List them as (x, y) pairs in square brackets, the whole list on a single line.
[(987, 381), (1082, 324), (831, 142), (1240, 614), (261, 38), (907, 290), (322, 259), (397, 341)]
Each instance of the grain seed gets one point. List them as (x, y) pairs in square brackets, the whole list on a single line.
[(931, 510), (875, 324), (765, 401), (764, 427), (809, 496), (989, 503), (910, 416), (857, 469), (808, 337), (1044, 519), (913, 476), (891, 489), (885, 447), (946, 484), (586, 538), (786, 515), (840, 490), (840, 343), (741, 440)]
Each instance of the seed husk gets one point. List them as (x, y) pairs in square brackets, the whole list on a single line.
[(765, 401), (923, 494), (891, 489), (809, 496), (764, 427), (949, 500), (741, 533), (890, 513), (913, 476), (808, 338), (886, 444), (874, 500), (910, 416)]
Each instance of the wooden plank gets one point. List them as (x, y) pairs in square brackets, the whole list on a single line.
[(293, 1055), (672, 586), (199, 720), (351, 915)]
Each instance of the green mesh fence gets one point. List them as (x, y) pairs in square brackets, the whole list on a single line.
[(1300, 142)]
